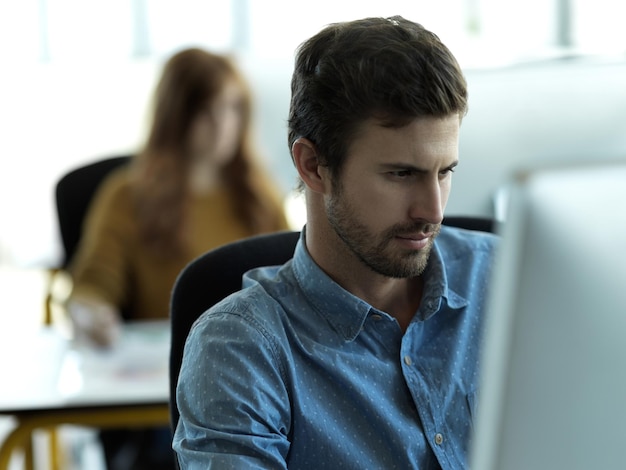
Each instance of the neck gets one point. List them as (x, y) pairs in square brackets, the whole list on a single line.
[(398, 297), (204, 176)]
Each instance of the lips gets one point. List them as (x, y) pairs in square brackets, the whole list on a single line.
[(414, 241), (416, 237)]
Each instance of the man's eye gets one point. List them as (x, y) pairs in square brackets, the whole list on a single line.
[(401, 173), (447, 171)]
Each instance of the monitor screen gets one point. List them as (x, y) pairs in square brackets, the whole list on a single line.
[(553, 380)]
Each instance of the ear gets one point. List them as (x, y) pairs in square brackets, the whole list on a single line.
[(305, 158)]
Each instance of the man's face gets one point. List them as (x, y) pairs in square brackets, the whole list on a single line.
[(388, 202)]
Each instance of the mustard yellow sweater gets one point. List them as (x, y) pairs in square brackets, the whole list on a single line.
[(111, 263)]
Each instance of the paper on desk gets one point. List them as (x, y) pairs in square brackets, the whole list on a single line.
[(136, 366)]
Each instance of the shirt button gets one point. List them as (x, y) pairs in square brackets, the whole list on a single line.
[(438, 439), (407, 360), (377, 317)]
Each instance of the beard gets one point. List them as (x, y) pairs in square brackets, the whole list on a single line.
[(376, 250)]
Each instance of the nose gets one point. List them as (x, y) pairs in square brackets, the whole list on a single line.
[(428, 203)]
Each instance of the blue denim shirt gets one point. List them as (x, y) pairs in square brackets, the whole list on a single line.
[(295, 372)]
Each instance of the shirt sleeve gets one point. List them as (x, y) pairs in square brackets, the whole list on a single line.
[(100, 266), (231, 395)]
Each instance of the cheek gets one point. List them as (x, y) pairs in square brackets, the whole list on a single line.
[(202, 131), (230, 130), (375, 206)]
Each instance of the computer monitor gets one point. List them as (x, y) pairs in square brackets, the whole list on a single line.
[(553, 373)]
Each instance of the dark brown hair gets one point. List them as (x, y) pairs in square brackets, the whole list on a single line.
[(391, 69)]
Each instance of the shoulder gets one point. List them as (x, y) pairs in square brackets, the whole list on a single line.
[(115, 189), (460, 243), (251, 305), (463, 238), (119, 181), (467, 258), (255, 309), (112, 201), (248, 324)]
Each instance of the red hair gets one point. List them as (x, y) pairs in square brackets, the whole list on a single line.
[(189, 80)]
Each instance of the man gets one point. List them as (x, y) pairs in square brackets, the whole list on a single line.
[(361, 352)]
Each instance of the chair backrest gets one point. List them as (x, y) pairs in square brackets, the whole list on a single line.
[(212, 277), (218, 273), (74, 192)]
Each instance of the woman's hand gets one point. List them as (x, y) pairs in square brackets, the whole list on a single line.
[(95, 320)]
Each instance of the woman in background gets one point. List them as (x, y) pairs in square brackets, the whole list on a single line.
[(195, 185)]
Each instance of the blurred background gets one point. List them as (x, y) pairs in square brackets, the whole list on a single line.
[(547, 85), (547, 81)]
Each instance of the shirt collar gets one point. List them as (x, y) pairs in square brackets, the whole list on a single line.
[(436, 285), (345, 312)]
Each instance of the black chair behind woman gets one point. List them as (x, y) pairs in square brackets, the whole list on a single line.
[(73, 194)]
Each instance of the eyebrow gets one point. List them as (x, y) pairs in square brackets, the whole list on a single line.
[(404, 166)]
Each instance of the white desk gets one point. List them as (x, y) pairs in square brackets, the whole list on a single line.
[(48, 380)]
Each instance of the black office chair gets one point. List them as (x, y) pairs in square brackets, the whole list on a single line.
[(218, 273), (74, 192)]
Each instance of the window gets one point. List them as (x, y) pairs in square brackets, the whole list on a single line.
[(78, 74)]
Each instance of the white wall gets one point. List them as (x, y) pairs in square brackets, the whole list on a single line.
[(546, 113), (54, 118)]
